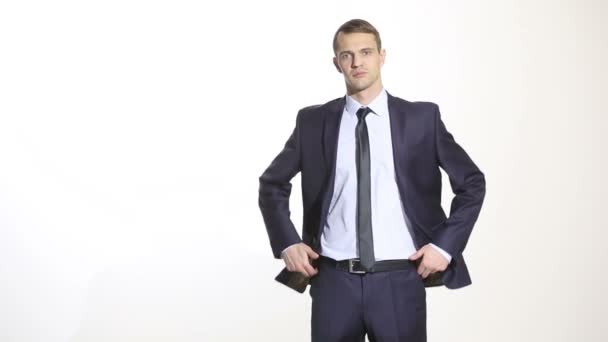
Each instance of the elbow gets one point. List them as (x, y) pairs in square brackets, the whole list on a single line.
[(480, 186)]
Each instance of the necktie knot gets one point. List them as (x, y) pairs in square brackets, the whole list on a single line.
[(362, 112)]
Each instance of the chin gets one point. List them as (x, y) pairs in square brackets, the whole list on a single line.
[(357, 87)]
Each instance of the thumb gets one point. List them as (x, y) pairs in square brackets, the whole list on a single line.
[(416, 255)]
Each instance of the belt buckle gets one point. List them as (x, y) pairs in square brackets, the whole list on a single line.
[(351, 265)]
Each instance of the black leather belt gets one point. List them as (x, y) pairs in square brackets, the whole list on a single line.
[(354, 266)]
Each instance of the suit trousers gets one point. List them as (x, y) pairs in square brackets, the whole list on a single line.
[(386, 306)]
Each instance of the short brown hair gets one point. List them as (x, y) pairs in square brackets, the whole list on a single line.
[(357, 26)]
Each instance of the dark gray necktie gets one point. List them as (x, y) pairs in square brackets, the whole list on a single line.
[(364, 205)]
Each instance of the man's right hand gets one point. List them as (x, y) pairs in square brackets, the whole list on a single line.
[(297, 258)]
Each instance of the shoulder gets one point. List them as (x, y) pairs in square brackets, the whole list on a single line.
[(413, 106), (319, 110)]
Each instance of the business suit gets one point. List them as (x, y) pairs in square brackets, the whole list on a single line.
[(421, 144)]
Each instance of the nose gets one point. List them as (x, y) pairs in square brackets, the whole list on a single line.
[(356, 61)]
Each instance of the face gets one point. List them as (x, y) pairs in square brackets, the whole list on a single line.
[(358, 59)]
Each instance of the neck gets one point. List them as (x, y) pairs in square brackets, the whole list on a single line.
[(367, 95)]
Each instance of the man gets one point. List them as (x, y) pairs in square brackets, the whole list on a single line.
[(374, 234)]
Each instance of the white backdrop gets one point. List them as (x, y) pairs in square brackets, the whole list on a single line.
[(133, 133)]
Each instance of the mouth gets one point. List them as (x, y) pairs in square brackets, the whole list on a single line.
[(359, 74)]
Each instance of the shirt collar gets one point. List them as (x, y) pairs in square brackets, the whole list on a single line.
[(379, 105)]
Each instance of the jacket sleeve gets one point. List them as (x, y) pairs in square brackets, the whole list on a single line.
[(274, 191), (468, 185)]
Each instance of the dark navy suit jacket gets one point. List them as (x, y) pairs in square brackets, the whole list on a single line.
[(421, 144)]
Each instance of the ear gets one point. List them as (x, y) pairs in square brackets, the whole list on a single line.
[(337, 65), (382, 56)]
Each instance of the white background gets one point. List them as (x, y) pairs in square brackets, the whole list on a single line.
[(133, 133)]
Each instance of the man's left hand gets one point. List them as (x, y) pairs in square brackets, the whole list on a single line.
[(432, 261)]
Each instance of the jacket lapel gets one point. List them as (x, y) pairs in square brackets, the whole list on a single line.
[(331, 130), (402, 132), (399, 133)]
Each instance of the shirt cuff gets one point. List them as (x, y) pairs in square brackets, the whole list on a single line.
[(286, 248), (444, 253)]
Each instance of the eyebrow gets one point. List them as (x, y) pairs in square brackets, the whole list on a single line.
[(349, 51)]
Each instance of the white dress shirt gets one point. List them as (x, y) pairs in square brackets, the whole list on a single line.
[(390, 225)]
